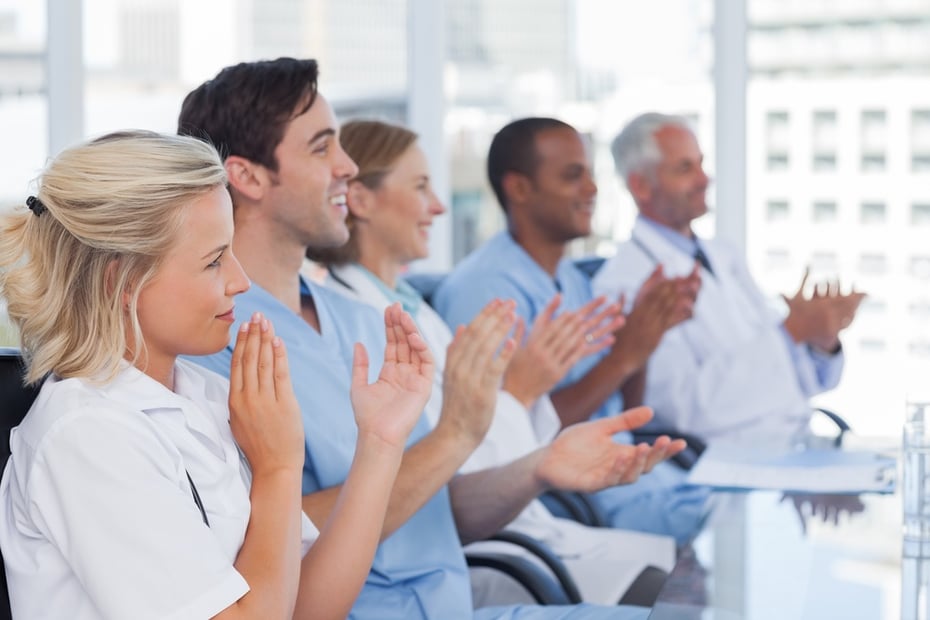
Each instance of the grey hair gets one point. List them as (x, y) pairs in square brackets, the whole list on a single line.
[(635, 148)]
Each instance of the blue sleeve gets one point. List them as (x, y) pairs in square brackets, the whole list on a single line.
[(817, 371), (460, 299)]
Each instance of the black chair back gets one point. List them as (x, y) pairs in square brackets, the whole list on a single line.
[(15, 400)]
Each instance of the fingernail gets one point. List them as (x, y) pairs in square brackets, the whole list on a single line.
[(244, 328), (257, 317), (265, 325)]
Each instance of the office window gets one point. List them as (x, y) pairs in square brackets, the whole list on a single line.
[(919, 267), (777, 259), (823, 140), (824, 211), (919, 348), (873, 306), (824, 162), (920, 214), (824, 262), (777, 162), (823, 131), (873, 264), (874, 134), (873, 162), (778, 139), (920, 163), (872, 213), (919, 309), (873, 139), (873, 345), (920, 130), (776, 210)]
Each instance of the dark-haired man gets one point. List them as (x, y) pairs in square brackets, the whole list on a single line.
[(540, 172)]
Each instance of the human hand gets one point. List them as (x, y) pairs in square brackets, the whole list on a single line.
[(584, 456), (263, 412), (660, 304), (554, 345), (819, 318), (475, 363), (827, 507), (389, 408)]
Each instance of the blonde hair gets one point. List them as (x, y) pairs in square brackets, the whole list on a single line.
[(112, 209), (375, 147)]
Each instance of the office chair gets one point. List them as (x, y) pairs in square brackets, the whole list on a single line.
[(16, 399), (549, 558), (540, 586)]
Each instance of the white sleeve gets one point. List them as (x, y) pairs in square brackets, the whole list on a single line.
[(308, 533), (716, 388), (510, 436), (114, 500)]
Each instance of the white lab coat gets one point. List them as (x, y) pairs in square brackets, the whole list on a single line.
[(99, 519), (729, 372), (603, 561)]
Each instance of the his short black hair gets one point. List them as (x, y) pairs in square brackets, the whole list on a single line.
[(245, 109), (513, 149)]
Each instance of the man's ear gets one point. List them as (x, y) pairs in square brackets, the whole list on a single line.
[(640, 187), (360, 200), (517, 187), (246, 177)]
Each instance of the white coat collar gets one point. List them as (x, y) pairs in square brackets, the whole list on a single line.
[(660, 251)]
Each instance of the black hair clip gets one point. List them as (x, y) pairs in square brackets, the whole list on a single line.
[(36, 206)]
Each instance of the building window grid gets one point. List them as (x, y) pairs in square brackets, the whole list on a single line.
[(824, 211), (873, 140), (872, 212), (778, 139)]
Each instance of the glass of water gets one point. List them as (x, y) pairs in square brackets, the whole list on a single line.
[(915, 560)]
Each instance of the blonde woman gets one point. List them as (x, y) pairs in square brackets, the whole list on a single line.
[(141, 485), (391, 208)]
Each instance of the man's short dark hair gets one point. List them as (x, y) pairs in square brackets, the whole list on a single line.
[(245, 109), (513, 149)]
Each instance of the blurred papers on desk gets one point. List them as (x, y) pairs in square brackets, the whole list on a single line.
[(800, 471)]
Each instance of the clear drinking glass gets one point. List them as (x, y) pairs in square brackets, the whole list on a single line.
[(915, 491)]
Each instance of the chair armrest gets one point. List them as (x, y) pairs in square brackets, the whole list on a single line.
[(540, 585), (547, 555), (837, 419), (684, 459), (576, 506)]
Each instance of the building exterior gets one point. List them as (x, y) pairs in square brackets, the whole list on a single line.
[(838, 163)]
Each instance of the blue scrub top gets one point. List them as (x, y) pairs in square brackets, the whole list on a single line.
[(419, 571), (501, 269)]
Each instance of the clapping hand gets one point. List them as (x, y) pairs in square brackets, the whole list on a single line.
[(475, 363), (660, 304), (584, 457), (555, 343), (819, 318), (389, 408), (263, 412)]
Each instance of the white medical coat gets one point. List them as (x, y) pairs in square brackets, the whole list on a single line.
[(729, 372), (99, 519)]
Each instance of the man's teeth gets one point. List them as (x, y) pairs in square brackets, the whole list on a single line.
[(338, 200)]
